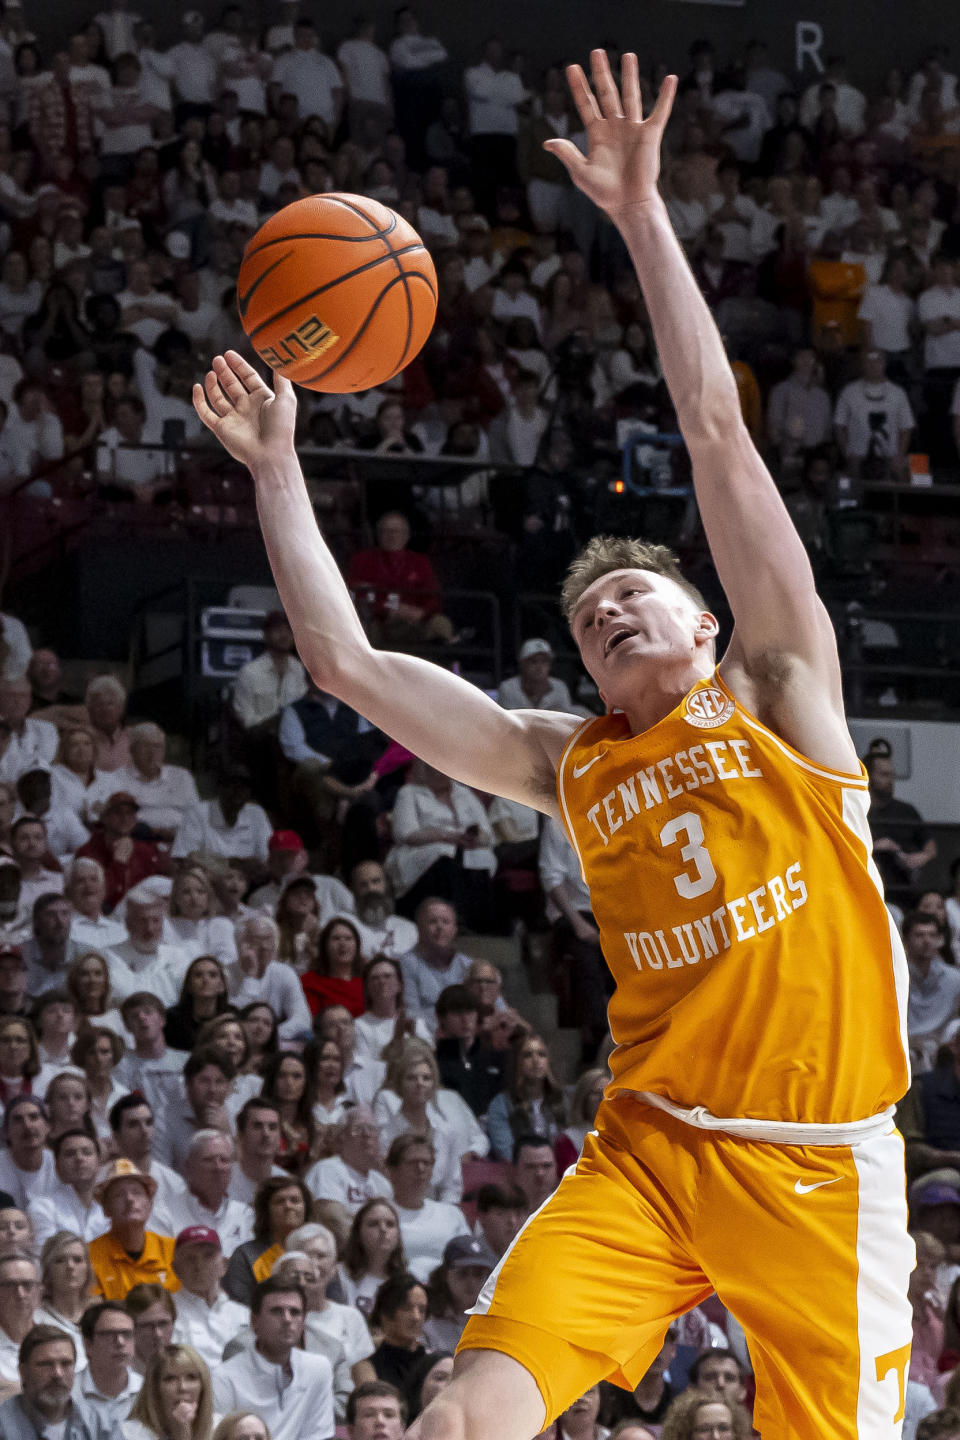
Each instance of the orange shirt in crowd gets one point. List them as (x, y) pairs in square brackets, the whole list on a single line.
[(116, 1271), (836, 288)]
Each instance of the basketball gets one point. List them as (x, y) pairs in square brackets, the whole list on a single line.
[(337, 292)]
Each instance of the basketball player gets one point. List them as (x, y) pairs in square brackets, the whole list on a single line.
[(746, 1143)]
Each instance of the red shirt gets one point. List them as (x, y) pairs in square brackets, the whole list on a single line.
[(376, 574), (121, 877), (324, 990)]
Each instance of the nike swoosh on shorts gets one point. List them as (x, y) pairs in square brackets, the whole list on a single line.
[(802, 1189)]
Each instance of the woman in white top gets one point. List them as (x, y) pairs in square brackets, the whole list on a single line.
[(21, 1072), (437, 819), (414, 1078), (192, 916), (324, 1061), (68, 1103), (54, 1018), (88, 982), (176, 1400), (19, 295), (97, 1051), (373, 1253), (384, 1018), (74, 770), (67, 1281)]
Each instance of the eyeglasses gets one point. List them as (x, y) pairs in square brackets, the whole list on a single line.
[(157, 1325), (114, 1335)]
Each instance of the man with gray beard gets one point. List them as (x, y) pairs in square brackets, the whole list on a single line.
[(381, 931)]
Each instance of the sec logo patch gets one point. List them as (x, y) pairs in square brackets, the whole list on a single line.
[(707, 708)]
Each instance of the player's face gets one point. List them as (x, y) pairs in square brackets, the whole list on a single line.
[(631, 619)]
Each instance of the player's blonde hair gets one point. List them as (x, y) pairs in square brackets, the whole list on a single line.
[(605, 553)]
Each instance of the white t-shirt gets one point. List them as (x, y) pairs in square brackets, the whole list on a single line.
[(345, 1324), (334, 1179), (164, 801), (425, 1233), (493, 97), (889, 315), (194, 72), (312, 77), (367, 71), (873, 415), (940, 351)]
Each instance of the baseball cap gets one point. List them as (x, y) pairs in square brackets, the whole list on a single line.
[(123, 1170), (936, 1194), (285, 840), (534, 647), (121, 797), (466, 1250), (198, 1235)]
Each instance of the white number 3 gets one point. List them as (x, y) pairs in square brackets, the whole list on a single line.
[(694, 852)]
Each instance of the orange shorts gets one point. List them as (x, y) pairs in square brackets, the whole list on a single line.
[(806, 1245)]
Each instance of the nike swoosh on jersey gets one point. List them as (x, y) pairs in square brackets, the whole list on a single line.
[(579, 770), (802, 1189), (243, 301)]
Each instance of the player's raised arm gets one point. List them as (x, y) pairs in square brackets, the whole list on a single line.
[(781, 626), (440, 717)]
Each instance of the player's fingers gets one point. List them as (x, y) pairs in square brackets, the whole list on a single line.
[(244, 371), (568, 154), (283, 387), (201, 406), (660, 113), (219, 403), (583, 96), (605, 85), (630, 86)]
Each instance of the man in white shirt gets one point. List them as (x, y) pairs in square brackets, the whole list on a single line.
[(938, 310), (934, 988), (287, 861), (28, 841), (21, 1289), (742, 116), (109, 1385), (65, 831), (193, 70), (494, 96), (150, 1064), (32, 742), (164, 793), (26, 1165), (534, 688), (311, 76), (353, 1176), (206, 1316), (273, 680), (86, 888), (799, 414), (231, 825), (366, 71), (154, 964), (132, 1125), (70, 1204), (208, 1170), (140, 474), (888, 311), (49, 952), (851, 104), (290, 1389), (32, 429), (259, 1137), (732, 214), (873, 418), (229, 207), (687, 214)]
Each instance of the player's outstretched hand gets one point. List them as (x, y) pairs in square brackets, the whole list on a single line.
[(623, 163), (254, 423)]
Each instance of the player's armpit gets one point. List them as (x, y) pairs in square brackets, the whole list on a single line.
[(454, 726)]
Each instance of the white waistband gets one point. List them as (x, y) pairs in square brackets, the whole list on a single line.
[(779, 1132)]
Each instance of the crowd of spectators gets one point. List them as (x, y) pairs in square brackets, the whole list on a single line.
[(822, 221), (268, 1118)]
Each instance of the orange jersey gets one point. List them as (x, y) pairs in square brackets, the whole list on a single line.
[(758, 972)]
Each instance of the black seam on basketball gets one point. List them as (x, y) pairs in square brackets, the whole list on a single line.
[(319, 235), (332, 284), (403, 275), (243, 301)]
